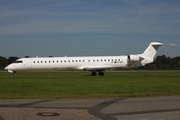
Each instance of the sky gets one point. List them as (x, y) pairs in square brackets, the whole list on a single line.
[(88, 27)]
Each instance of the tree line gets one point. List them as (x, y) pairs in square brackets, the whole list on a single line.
[(6, 61), (160, 63), (164, 63)]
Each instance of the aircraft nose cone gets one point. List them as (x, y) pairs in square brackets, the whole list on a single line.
[(6, 68)]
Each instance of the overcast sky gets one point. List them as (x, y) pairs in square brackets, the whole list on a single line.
[(87, 27)]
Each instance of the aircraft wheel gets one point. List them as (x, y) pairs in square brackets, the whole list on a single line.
[(15, 74), (101, 74), (93, 73)]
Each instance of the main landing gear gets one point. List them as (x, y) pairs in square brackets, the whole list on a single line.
[(100, 73)]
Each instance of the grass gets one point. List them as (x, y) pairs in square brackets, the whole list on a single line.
[(52, 85)]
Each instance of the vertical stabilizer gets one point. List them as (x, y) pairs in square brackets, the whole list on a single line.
[(152, 49)]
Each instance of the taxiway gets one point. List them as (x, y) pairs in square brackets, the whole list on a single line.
[(144, 108)]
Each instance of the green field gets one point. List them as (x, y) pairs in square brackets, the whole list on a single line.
[(52, 85)]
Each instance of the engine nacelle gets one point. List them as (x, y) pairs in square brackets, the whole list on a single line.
[(134, 57)]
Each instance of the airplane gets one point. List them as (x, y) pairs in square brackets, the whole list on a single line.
[(92, 63)]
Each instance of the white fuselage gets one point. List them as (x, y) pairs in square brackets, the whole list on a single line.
[(92, 63), (69, 63)]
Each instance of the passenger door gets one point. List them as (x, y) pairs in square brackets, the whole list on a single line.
[(28, 63)]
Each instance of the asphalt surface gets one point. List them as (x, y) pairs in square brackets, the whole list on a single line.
[(145, 108)]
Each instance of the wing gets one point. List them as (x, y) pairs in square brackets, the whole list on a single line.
[(99, 68)]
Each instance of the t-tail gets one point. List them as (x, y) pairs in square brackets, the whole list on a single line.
[(144, 58), (151, 51)]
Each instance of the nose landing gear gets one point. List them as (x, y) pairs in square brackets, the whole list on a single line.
[(15, 73)]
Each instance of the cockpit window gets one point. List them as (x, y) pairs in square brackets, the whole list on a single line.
[(18, 62)]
